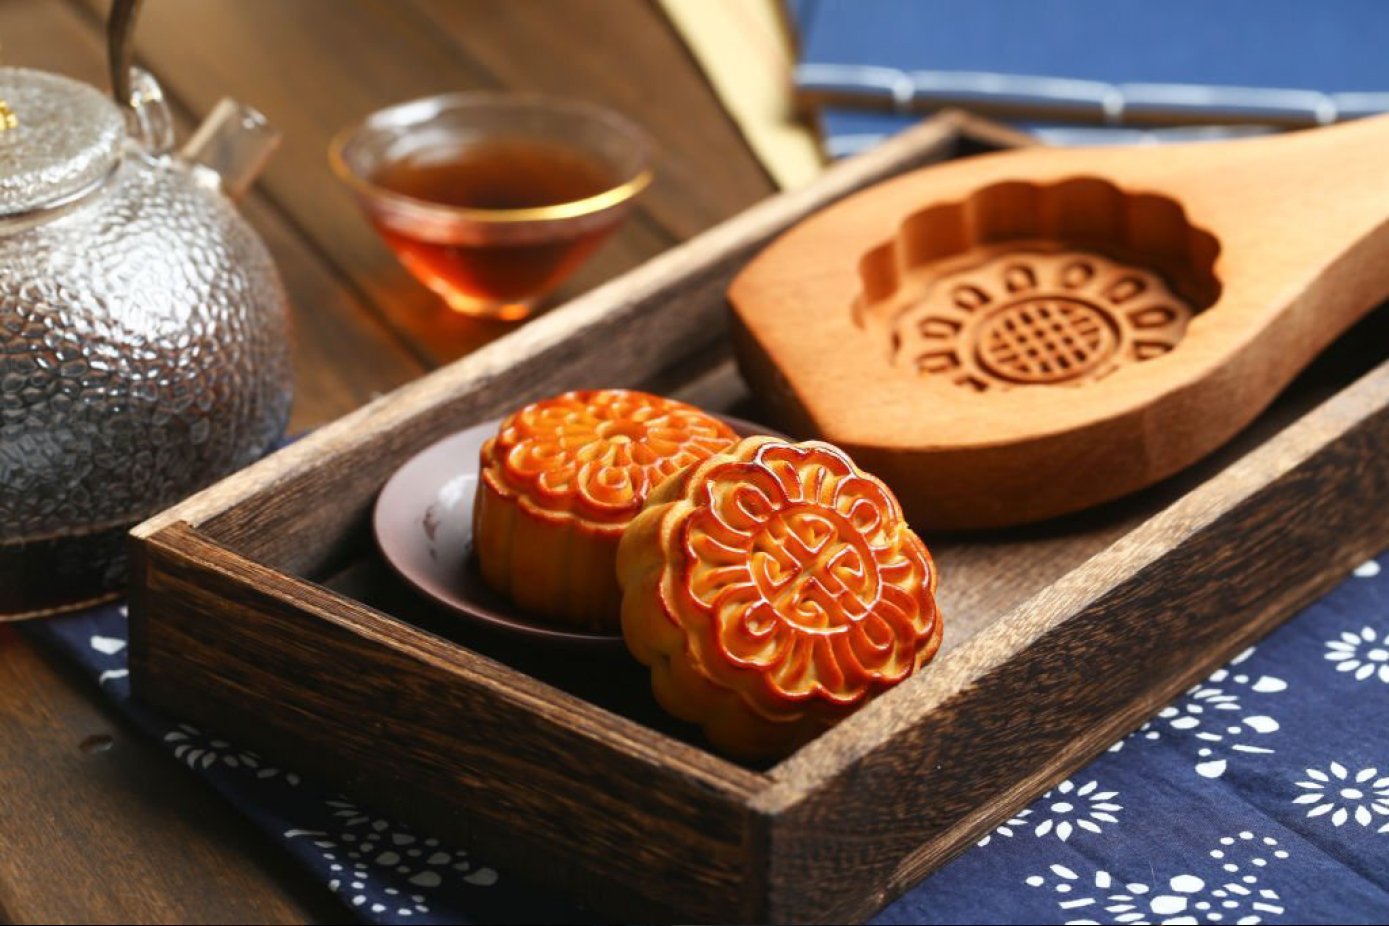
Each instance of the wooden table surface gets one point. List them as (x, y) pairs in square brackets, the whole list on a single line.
[(97, 824)]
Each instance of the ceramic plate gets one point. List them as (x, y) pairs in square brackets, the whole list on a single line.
[(424, 526)]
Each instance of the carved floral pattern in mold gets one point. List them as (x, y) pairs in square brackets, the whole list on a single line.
[(1029, 318)]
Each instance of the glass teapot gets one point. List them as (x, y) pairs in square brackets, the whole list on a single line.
[(144, 331)]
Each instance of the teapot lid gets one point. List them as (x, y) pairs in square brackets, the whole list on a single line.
[(64, 138)]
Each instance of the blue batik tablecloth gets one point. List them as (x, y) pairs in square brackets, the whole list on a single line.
[(1259, 796)]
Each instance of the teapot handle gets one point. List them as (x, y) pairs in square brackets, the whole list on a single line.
[(137, 93), (120, 32)]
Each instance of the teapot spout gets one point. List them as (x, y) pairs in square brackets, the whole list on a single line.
[(234, 143)]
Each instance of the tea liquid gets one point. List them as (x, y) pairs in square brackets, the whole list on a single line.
[(493, 272)]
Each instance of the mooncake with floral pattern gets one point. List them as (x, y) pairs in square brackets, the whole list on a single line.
[(560, 482), (773, 589)]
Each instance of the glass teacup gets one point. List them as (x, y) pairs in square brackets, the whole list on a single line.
[(493, 199)]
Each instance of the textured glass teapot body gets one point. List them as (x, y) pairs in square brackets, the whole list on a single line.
[(144, 351)]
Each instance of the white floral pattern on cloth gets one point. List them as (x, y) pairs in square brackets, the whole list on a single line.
[(1063, 811), (1228, 886), (1007, 828), (112, 648), (197, 750), (1340, 796), (372, 857), (426, 883), (1364, 654), (1213, 719)]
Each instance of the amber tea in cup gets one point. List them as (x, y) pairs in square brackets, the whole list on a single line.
[(493, 200)]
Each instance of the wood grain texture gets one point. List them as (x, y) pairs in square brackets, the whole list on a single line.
[(1058, 638), (1048, 329), (533, 778), (317, 66), (97, 824)]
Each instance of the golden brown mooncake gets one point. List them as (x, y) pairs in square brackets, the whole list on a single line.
[(560, 482), (773, 589)]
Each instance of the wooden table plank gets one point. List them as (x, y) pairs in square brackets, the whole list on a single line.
[(96, 823), (581, 48), (315, 66)]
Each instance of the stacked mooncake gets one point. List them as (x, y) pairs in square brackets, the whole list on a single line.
[(771, 587)]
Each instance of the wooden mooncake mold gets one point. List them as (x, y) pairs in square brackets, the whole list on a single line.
[(1015, 336), (561, 481), (772, 590)]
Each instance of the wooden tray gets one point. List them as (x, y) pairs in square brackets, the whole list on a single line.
[(260, 608)]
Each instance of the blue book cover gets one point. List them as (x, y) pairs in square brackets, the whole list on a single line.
[(1058, 63)]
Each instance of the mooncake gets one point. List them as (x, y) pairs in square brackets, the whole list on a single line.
[(772, 590), (560, 482)]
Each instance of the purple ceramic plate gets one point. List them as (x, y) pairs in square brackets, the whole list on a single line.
[(424, 526)]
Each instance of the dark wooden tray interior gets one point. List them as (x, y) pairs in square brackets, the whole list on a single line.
[(706, 377), (983, 576)]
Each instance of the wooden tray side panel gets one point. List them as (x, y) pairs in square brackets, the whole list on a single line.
[(528, 781), (873, 827)]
